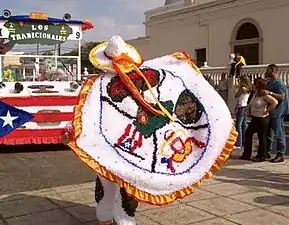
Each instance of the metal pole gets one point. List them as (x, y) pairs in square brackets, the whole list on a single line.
[(24, 72), (37, 48), (1, 68), (55, 53), (79, 61)]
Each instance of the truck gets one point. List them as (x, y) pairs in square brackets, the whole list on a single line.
[(44, 85)]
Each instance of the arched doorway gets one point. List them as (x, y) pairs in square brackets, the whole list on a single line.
[(247, 40)]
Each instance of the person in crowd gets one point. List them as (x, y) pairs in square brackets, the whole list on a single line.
[(252, 93), (223, 87), (209, 79), (237, 62), (242, 95), (232, 64), (277, 89), (261, 104)]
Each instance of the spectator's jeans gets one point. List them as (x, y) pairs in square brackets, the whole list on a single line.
[(257, 125), (241, 123), (276, 126)]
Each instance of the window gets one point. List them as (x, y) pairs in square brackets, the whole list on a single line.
[(246, 41), (247, 31), (250, 52), (201, 56)]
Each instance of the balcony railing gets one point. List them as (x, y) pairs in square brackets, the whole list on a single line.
[(254, 71), (251, 71)]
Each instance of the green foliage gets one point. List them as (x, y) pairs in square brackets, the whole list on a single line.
[(85, 50), (47, 53)]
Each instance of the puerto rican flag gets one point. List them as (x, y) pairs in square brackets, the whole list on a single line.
[(12, 118), (35, 119)]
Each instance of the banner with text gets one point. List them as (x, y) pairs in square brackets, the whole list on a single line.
[(36, 32)]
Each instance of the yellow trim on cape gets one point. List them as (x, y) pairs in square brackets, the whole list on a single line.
[(185, 57), (140, 195), (98, 64)]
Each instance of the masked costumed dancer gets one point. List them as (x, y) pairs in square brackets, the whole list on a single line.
[(151, 131)]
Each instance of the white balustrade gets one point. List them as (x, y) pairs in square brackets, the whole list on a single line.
[(251, 71)]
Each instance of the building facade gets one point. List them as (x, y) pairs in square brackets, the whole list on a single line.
[(12, 59), (211, 29)]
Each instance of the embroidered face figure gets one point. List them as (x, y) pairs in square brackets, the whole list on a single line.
[(130, 141)]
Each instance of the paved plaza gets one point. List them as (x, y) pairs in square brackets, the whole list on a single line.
[(241, 193)]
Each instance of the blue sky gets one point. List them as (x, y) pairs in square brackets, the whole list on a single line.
[(110, 17)]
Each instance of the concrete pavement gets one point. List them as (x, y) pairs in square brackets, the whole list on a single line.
[(242, 193), (34, 167)]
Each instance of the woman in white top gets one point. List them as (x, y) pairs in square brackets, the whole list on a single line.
[(242, 95), (259, 109)]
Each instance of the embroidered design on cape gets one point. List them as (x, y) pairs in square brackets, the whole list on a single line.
[(145, 141)]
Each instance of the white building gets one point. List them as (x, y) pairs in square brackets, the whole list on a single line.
[(211, 29), (12, 58)]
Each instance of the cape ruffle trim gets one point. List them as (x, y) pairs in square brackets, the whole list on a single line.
[(140, 195)]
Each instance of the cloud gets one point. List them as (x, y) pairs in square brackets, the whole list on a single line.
[(110, 17), (105, 27)]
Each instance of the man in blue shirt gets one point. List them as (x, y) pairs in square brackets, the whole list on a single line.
[(278, 90)]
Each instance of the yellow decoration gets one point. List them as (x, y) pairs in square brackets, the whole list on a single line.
[(11, 28), (108, 67), (163, 148), (63, 31), (177, 157), (185, 57), (7, 75), (38, 16), (180, 157)]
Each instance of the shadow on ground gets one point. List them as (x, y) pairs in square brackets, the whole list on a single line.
[(262, 180), (271, 200), (34, 167), (34, 210), (31, 148)]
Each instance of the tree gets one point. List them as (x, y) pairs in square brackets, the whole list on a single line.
[(85, 50), (47, 53)]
